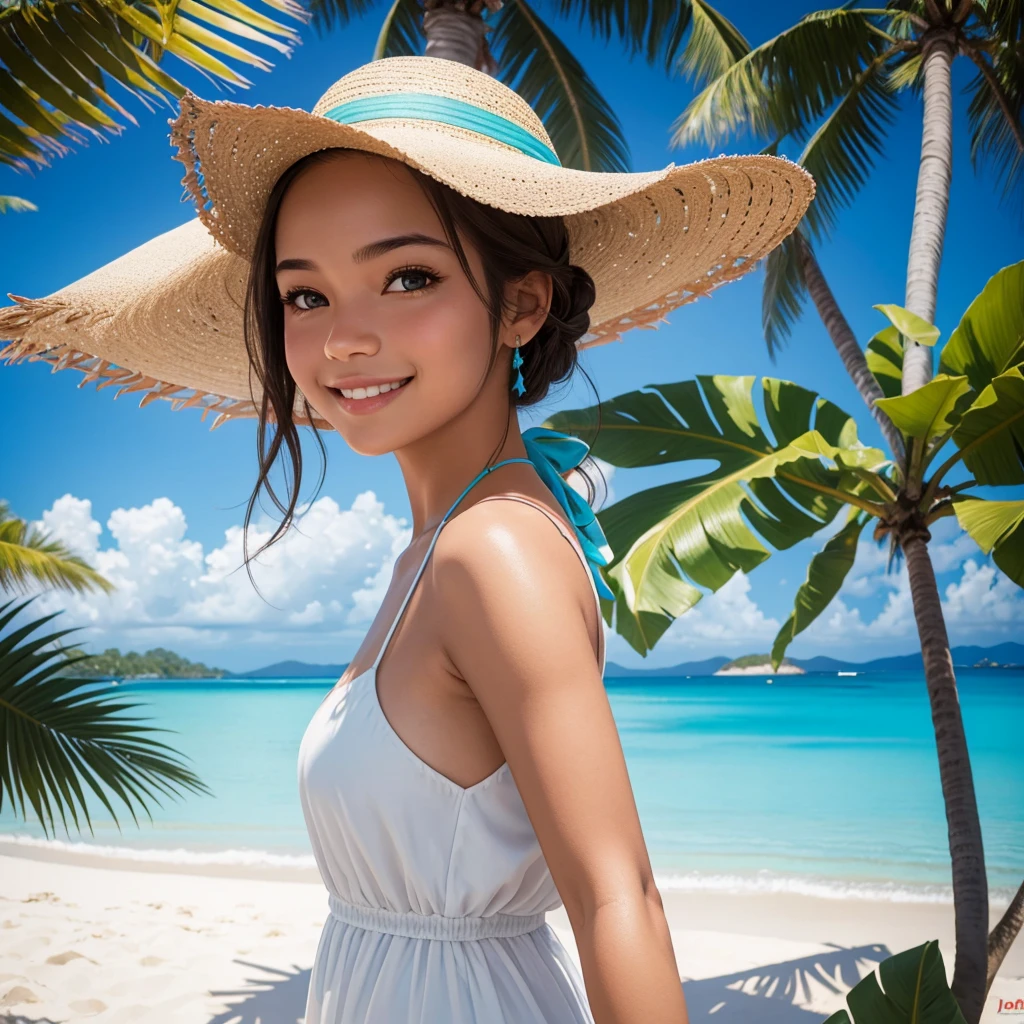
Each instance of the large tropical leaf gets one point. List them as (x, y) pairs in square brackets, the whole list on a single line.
[(29, 556), (538, 65), (58, 61), (61, 736), (909, 324), (997, 527), (784, 291), (989, 340), (990, 434), (884, 356), (913, 990), (670, 540), (825, 575), (930, 410)]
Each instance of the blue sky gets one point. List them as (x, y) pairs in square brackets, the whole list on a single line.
[(156, 500)]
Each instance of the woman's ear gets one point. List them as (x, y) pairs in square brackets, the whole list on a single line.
[(529, 300)]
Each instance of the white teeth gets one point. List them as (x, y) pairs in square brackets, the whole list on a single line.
[(372, 391)]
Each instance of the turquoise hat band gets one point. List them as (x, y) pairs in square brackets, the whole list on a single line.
[(418, 106)]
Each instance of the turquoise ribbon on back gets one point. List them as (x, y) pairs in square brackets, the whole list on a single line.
[(552, 454), (418, 106)]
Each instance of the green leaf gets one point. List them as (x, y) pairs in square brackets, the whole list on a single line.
[(12, 204), (535, 62), (787, 84), (670, 540), (884, 357), (990, 434), (997, 527), (715, 44), (913, 991), (61, 735), (782, 298), (910, 325), (401, 35), (930, 410), (990, 337), (825, 575)]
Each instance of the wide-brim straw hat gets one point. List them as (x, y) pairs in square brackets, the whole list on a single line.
[(166, 319)]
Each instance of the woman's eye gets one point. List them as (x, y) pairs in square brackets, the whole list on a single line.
[(303, 298), (410, 281)]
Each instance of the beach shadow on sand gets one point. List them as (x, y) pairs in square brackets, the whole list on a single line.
[(771, 994), (274, 996)]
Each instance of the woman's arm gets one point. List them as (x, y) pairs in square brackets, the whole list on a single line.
[(520, 616)]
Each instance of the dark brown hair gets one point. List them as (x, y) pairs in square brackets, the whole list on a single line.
[(510, 246)]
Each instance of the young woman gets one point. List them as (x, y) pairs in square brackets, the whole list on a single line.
[(418, 267)]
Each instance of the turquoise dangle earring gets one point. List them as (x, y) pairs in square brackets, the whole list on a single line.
[(517, 361)]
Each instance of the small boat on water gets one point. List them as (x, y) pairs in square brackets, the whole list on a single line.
[(846, 673)]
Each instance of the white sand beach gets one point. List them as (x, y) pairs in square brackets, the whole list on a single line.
[(121, 944)]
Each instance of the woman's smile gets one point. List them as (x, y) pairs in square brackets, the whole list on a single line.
[(368, 398)]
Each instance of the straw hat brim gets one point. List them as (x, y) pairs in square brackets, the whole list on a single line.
[(166, 319), (652, 241)]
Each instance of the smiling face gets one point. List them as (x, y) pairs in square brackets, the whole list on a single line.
[(377, 301)]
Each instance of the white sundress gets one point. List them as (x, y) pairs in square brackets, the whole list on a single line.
[(437, 893)]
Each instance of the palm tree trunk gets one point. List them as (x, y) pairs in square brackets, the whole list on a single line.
[(931, 204), (1001, 939), (455, 35), (845, 341), (970, 883)]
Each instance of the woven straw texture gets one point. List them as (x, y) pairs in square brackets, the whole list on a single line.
[(166, 318)]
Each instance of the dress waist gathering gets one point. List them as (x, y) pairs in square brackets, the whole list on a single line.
[(434, 926)]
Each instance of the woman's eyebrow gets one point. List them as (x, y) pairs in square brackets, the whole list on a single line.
[(296, 265), (375, 249)]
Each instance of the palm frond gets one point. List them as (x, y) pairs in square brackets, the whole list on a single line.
[(327, 14), (783, 295), (58, 61), (786, 85), (401, 35), (14, 204), (651, 27), (538, 65), (61, 736), (715, 44), (840, 154), (29, 556), (995, 114)]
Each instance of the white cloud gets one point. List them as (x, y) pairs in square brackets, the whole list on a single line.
[(327, 574), (721, 618)]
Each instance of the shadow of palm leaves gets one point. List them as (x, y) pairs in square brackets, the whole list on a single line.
[(773, 994), (276, 997), (770, 995)]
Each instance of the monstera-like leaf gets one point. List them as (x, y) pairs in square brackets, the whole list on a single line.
[(997, 527), (670, 541), (913, 990), (990, 434)]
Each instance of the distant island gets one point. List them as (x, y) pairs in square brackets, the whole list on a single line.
[(759, 665), (159, 663)]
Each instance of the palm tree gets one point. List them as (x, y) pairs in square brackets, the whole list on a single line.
[(832, 84), (512, 40), (781, 483), (61, 735), (58, 61), (28, 555)]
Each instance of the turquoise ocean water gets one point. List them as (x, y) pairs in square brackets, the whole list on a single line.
[(819, 784)]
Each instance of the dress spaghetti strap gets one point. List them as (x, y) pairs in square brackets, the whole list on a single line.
[(567, 533)]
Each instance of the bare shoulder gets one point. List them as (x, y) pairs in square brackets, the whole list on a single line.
[(509, 546)]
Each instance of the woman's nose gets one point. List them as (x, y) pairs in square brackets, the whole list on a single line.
[(347, 339)]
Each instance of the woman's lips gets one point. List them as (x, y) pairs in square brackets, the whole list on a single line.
[(365, 406)]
